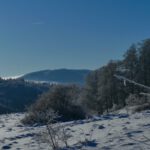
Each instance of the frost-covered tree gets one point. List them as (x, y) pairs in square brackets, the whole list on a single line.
[(131, 64), (144, 67), (102, 90)]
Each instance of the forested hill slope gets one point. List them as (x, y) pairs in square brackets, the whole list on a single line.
[(17, 94), (64, 76)]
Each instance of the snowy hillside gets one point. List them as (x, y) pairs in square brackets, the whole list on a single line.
[(108, 132)]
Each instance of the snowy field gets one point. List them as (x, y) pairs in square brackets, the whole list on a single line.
[(108, 132)]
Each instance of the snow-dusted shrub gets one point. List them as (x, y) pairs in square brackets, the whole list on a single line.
[(60, 99), (55, 134), (145, 106), (134, 100), (138, 103)]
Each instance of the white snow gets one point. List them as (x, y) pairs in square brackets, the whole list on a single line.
[(12, 77), (108, 132)]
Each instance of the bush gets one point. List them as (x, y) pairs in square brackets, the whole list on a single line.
[(145, 106), (134, 99), (137, 103), (60, 99), (56, 135)]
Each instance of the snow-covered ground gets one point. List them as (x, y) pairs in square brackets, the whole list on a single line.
[(108, 132)]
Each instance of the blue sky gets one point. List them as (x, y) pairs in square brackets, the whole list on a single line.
[(52, 34)]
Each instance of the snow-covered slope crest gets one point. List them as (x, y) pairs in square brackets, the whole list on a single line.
[(108, 132), (12, 77)]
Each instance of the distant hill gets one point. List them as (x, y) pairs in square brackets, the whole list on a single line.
[(64, 76)]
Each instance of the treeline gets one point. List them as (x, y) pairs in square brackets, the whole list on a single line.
[(16, 95), (102, 91)]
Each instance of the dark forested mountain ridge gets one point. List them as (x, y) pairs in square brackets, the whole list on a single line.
[(64, 76)]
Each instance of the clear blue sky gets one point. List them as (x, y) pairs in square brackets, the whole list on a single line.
[(49, 34)]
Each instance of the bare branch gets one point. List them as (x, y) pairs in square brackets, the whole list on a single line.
[(131, 81)]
